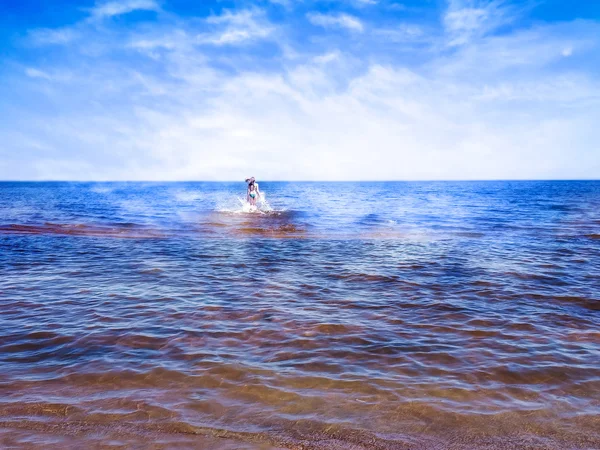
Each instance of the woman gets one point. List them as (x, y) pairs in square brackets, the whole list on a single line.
[(253, 193)]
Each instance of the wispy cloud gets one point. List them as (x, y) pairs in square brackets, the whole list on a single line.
[(337, 21), (36, 73), (468, 19), (184, 98), (236, 27), (57, 36), (531, 50), (117, 8), (104, 10), (404, 33), (284, 3), (366, 2)]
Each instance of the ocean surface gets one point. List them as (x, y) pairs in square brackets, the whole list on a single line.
[(341, 316)]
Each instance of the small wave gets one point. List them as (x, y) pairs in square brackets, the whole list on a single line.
[(248, 210), (151, 271), (245, 208), (365, 278)]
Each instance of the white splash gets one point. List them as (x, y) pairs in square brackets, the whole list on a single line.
[(101, 189), (262, 206), (187, 196)]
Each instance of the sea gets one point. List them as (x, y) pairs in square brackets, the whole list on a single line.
[(350, 315)]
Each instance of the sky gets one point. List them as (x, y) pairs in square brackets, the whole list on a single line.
[(299, 89)]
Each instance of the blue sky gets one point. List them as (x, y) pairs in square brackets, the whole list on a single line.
[(299, 89)]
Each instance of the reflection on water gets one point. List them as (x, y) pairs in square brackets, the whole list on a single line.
[(375, 315)]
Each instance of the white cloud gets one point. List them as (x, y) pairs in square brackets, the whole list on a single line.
[(531, 49), (389, 123), (327, 57), (284, 3), (567, 51), (67, 35), (404, 33), (58, 36), (496, 106), (173, 40), (237, 27), (336, 20), (36, 73), (468, 19), (117, 8)]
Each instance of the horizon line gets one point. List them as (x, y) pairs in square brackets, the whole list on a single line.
[(307, 181)]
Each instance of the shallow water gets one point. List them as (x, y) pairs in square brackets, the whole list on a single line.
[(348, 315)]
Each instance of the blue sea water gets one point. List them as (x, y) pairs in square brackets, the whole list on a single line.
[(339, 315)]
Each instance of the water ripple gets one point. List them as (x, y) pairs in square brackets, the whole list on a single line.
[(468, 320)]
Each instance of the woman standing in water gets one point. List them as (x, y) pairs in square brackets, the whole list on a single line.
[(253, 193)]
